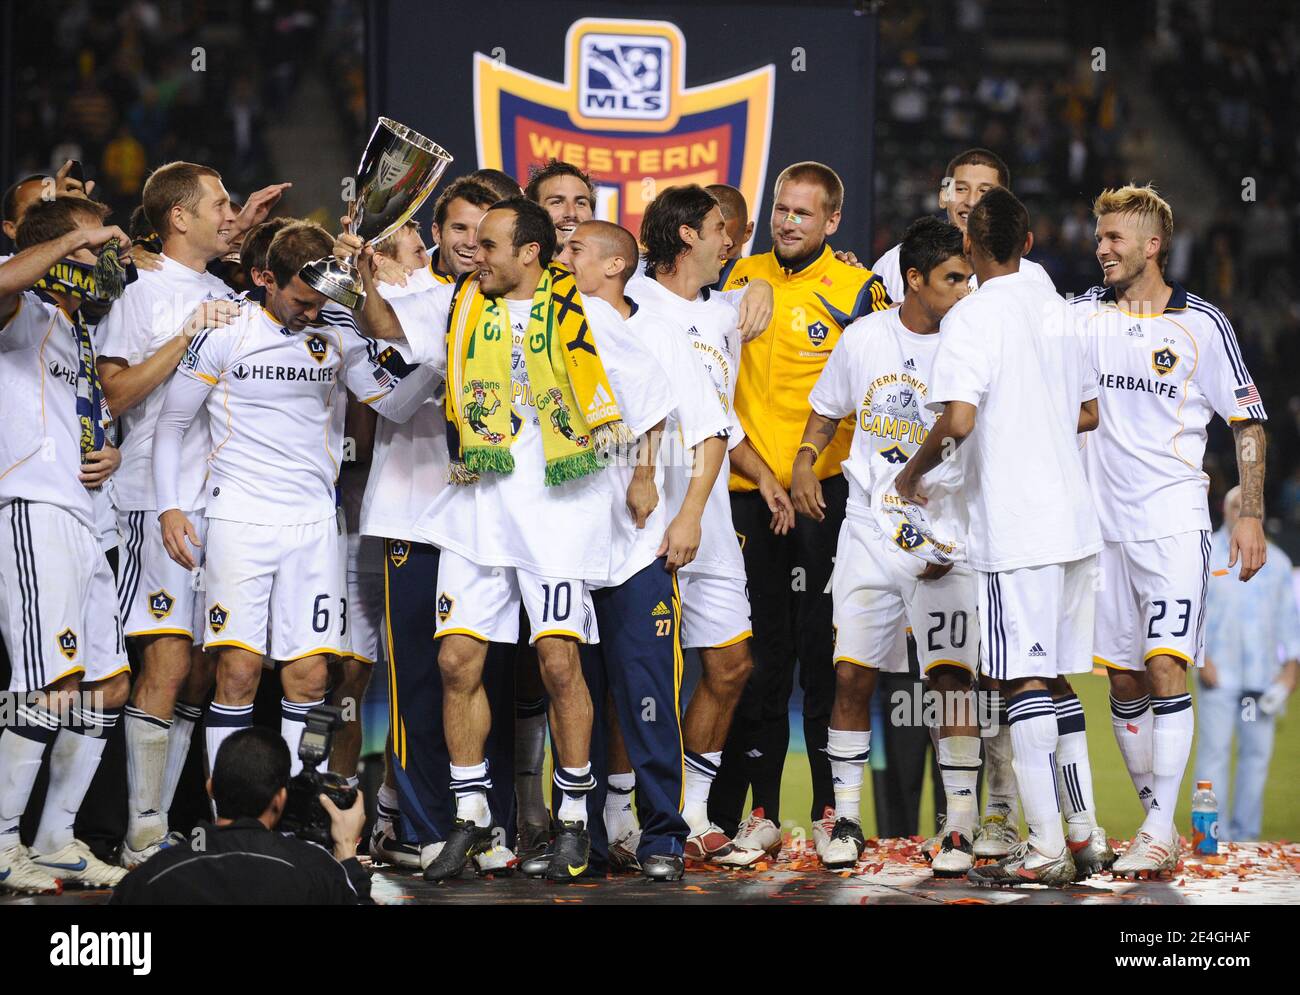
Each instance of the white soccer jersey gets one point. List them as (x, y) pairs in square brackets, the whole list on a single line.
[(697, 415), (880, 372), (408, 466), (272, 395), (890, 271), (709, 325), (147, 316), (1162, 378), (514, 519), (1008, 350), (40, 443)]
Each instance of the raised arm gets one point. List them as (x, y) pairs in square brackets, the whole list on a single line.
[(25, 268)]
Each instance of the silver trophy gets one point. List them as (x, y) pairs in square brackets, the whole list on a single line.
[(397, 172)]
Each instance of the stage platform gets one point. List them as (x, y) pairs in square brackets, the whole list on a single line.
[(891, 872)]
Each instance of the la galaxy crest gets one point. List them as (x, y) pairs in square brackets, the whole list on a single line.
[(624, 114), (1163, 361), (67, 643), (908, 536), (218, 616), (160, 604), (317, 348), (445, 605), (398, 551), (817, 332)]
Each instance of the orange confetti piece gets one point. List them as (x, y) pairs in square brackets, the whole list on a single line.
[(1216, 859)]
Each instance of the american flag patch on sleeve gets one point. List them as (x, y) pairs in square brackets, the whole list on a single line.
[(1246, 396)]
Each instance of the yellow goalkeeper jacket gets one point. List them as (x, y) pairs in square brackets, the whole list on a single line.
[(779, 368)]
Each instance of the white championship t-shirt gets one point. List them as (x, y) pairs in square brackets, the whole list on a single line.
[(708, 323), (1009, 350), (514, 519), (147, 316), (1162, 378)]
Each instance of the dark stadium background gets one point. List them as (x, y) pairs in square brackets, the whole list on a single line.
[(1198, 97)]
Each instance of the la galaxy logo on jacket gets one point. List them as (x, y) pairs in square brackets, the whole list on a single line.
[(624, 114), (160, 604), (317, 347), (817, 332), (218, 616)]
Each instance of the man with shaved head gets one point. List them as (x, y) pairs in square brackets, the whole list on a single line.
[(666, 494), (735, 213)]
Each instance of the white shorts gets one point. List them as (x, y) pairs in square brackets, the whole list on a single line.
[(715, 611), (275, 590), (156, 595), (365, 618), (1037, 621), (1152, 600), (483, 602), (58, 612), (877, 597)]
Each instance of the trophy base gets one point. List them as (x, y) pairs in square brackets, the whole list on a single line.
[(336, 280)]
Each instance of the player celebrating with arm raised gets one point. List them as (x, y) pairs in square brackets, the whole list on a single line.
[(517, 328), (275, 582), (880, 372), (1169, 361), (1017, 388)]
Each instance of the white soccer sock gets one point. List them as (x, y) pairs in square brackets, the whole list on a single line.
[(999, 774), (146, 764), (387, 804), (184, 720), (701, 769), (22, 746), (1074, 770), (222, 722), (1171, 735), (1033, 744), (619, 817), (293, 723), (530, 757), (850, 752), (73, 762), (959, 765), (1133, 722), (574, 784), (470, 786)]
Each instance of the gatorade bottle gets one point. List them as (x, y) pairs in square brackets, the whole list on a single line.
[(1205, 819)]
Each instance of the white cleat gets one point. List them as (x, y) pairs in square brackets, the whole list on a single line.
[(1025, 865), (496, 859), (1093, 855), (996, 838), (386, 848), (18, 874), (823, 830), (955, 857), (844, 847), (429, 853), (760, 833), (1147, 856), (131, 858), (931, 847), (622, 852), (75, 864)]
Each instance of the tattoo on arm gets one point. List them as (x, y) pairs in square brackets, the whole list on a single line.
[(1251, 446), (821, 430)]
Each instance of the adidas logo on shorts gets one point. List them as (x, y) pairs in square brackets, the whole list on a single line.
[(1037, 650), (660, 609)]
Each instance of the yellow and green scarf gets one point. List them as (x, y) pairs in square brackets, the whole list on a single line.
[(575, 403)]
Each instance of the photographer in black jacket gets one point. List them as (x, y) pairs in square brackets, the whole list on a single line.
[(241, 859)]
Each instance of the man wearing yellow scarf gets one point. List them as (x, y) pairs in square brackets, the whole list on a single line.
[(538, 380)]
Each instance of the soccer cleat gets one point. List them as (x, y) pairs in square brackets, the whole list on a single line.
[(75, 864), (1147, 856), (386, 848), (844, 846), (705, 846), (466, 841), (759, 833), (996, 838), (1025, 865), (955, 857), (496, 859), (822, 830), (570, 852), (130, 857), (532, 838), (429, 853), (1093, 855), (931, 847), (622, 852), (19, 874), (537, 862), (663, 867)]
